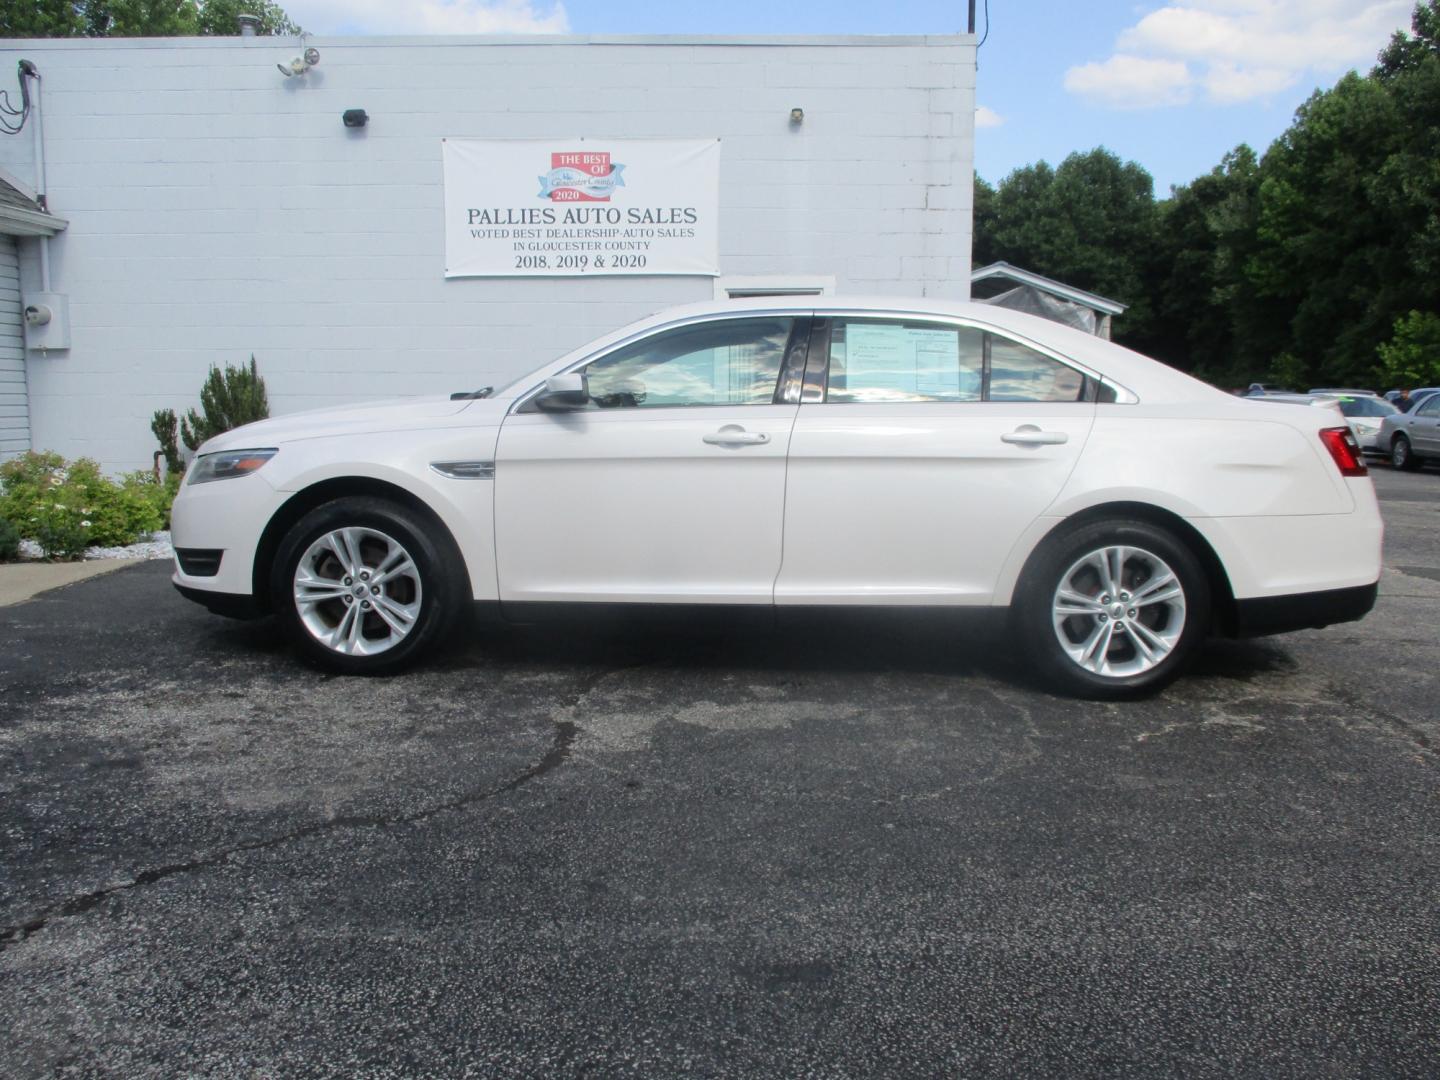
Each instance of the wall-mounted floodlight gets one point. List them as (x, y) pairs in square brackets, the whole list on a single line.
[(355, 118), (797, 116), (301, 64)]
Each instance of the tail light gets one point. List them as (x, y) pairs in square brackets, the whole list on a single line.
[(1340, 441)]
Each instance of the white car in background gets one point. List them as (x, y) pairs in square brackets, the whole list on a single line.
[(775, 452), (1364, 413)]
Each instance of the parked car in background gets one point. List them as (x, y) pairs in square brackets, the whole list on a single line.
[(1416, 396), (1364, 414), (1412, 438), (782, 453), (1342, 390), (1324, 401)]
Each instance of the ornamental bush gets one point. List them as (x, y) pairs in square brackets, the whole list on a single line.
[(228, 399), (159, 494), (66, 507), (9, 541)]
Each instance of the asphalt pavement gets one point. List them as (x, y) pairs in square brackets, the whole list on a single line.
[(845, 847)]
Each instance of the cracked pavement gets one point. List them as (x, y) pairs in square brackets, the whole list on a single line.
[(847, 846)]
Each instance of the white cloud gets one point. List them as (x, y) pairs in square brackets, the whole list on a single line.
[(986, 117), (428, 16), (1230, 84), (1238, 50), (1132, 82)]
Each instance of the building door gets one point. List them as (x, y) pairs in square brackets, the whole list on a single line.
[(14, 401)]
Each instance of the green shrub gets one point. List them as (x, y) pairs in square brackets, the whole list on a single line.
[(159, 494), (229, 399), (66, 507), (61, 523), (9, 541), (23, 482)]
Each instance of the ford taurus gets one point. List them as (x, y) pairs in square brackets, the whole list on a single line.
[(765, 452)]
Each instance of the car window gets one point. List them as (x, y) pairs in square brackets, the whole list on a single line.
[(903, 361), (728, 362), (876, 360), (1430, 406), (1019, 373), (1365, 406)]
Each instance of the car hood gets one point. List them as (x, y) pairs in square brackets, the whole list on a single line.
[(365, 418)]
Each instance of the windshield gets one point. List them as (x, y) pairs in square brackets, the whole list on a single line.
[(1366, 406)]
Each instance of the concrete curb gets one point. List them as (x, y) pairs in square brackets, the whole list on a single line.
[(21, 581)]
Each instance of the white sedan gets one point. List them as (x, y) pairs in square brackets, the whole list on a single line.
[(777, 452)]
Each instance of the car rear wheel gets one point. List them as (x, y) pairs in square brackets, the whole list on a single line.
[(1112, 609), (1402, 456), (365, 586)]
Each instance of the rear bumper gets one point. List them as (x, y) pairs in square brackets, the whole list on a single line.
[(1302, 611)]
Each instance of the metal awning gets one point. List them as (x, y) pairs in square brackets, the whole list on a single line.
[(22, 215), (1049, 285)]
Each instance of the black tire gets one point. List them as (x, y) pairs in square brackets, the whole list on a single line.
[(1035, 622), (439, 595), (1402, 455)]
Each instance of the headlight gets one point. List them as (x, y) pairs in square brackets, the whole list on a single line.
[(227, 465)]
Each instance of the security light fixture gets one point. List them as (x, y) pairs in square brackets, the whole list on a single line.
[(301, 64), (355, 118), (797, 116)]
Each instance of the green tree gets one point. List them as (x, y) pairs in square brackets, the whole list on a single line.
[(41, 18), (1089, 223), (218, 17), (1209, 319), (1412, 355), (138, 18), (1348, 239), (1406, 52)]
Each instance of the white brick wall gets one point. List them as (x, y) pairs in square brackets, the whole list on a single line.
[(218, 209)]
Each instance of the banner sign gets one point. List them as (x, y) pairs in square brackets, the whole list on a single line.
[(581, 207)]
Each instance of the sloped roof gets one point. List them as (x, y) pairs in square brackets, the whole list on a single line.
[(1049, 285), (22, 215)]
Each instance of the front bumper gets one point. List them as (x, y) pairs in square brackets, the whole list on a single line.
[(231, 605), (223, 521), (1262, 615)]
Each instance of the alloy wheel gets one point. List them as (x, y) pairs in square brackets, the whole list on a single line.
[(1118, 611), (357, 591)]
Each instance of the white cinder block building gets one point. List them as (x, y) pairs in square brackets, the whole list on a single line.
[(206, 206)]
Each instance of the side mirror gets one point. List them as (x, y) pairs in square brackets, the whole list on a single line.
[(564, 393)]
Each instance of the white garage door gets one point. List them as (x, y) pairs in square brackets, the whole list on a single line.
[(14, 405)]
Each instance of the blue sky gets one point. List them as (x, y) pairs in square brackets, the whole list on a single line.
[(1172, 85)]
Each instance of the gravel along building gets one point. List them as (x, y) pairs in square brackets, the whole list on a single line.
[(373, 217)]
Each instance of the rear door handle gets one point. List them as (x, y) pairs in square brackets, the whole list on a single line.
[(1030, 435), (735, 435)]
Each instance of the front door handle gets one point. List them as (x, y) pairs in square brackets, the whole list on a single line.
[(735, 435), (1030, 435)]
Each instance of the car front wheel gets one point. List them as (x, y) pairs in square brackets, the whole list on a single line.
[(1112, 609), (364, 586), (1402, 456)]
